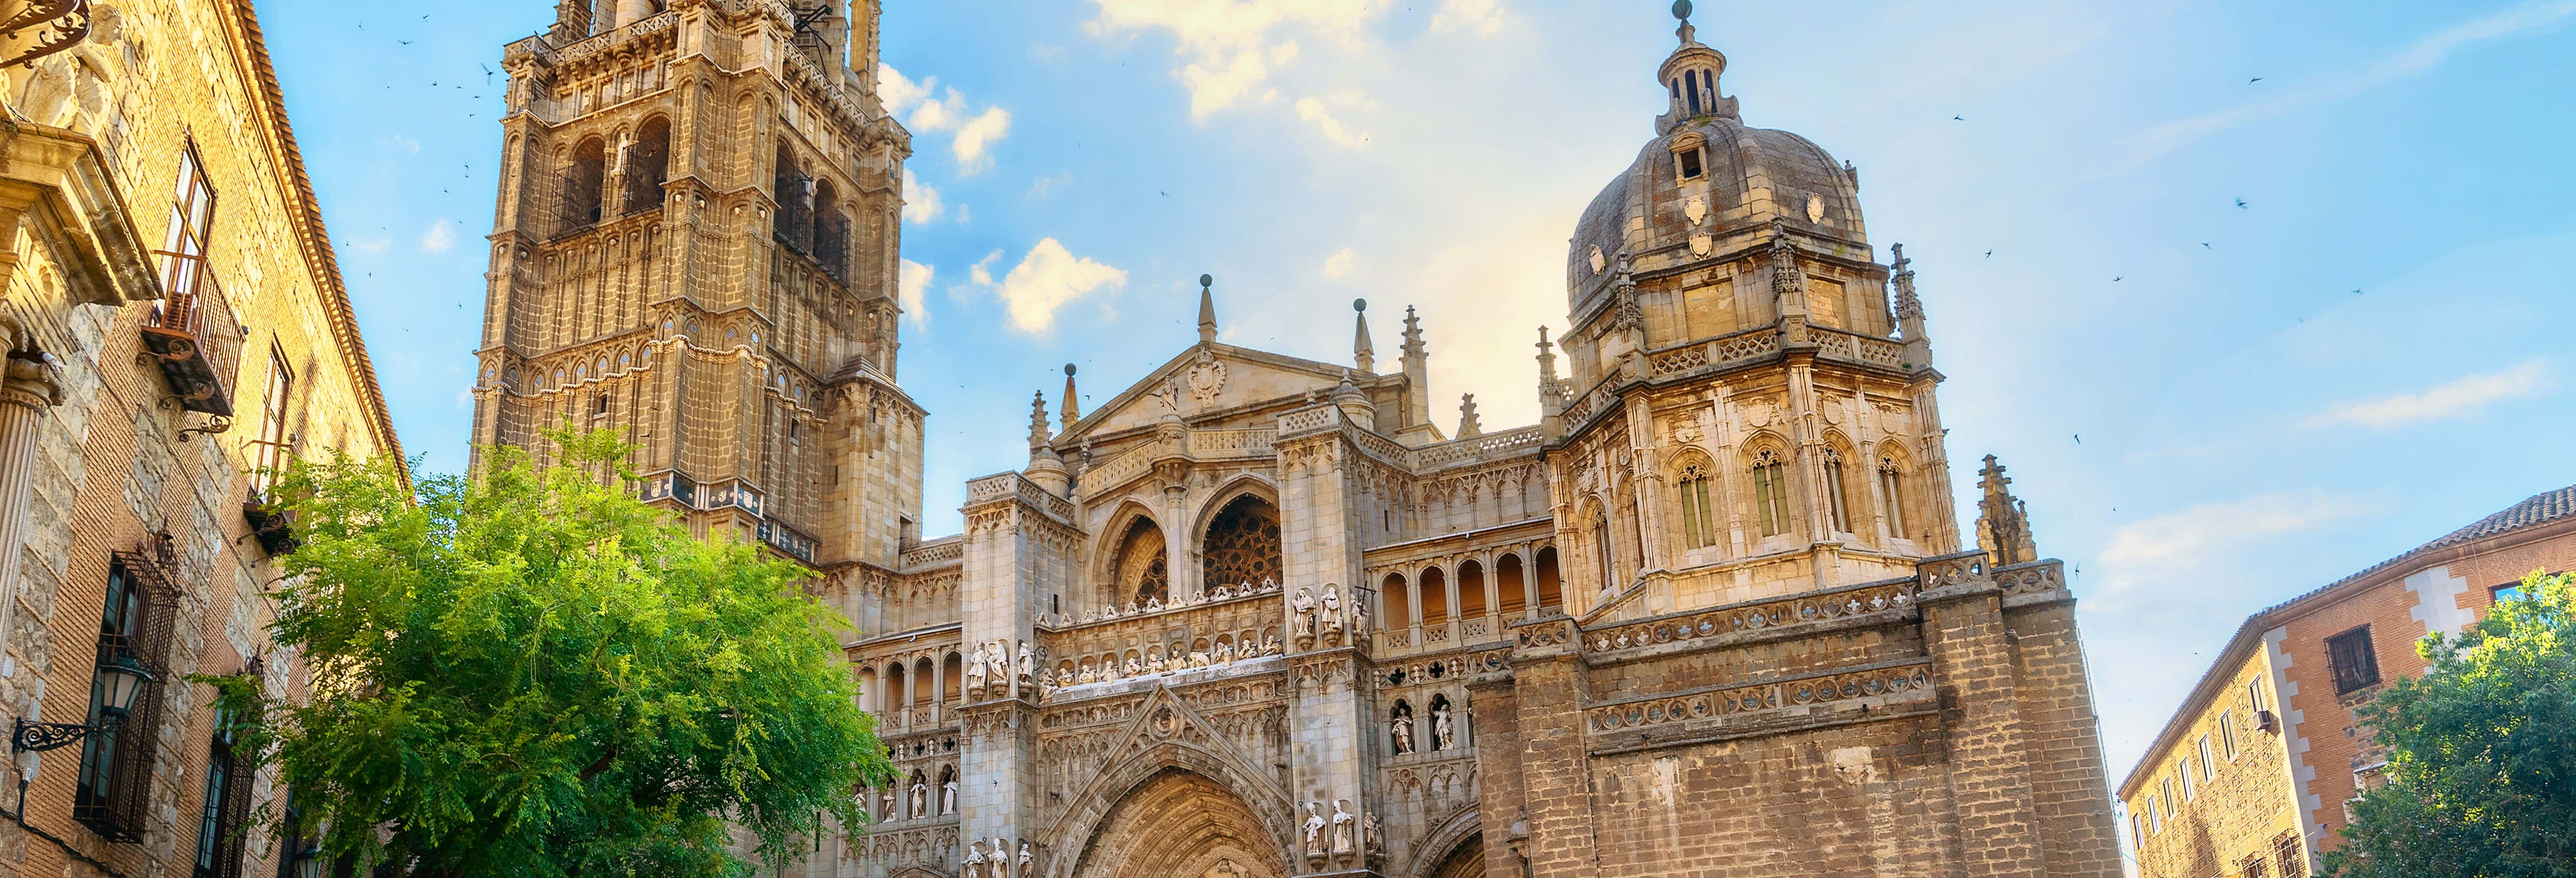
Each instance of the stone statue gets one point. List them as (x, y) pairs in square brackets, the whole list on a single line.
[(1332, 607), (975, 861), (1024, 858), (1028, 663), (1342, 825), (1135, 668), (1224, 653), (1314, 830), (1001, 858), (1444, 734), (1303, 607), (948, 798), (1401, 727), (1088, 675), (1154, 663), (1198, 660), (1270, 645), (920, 799), (1000, 659), (975, 670), (890, 813), (1373, 840)]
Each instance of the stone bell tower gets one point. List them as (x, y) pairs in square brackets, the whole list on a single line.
[(695, 244)]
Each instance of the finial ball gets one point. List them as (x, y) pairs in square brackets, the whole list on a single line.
[(1681, 9), (1207, 280), (1068, 370), (1359, 304)]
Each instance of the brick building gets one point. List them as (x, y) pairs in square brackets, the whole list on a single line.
[(1259, 615), (2253, 774), (174, 326)]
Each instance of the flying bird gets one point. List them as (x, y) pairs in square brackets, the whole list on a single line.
[(2254, 80), (2240, 204), (2115, 280), (2356, 292), (2204, 245), (404, 42), (2079, 438), (1990, 254), (1957, 119)]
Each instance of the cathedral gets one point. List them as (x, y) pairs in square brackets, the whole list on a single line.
[(1261, 615)]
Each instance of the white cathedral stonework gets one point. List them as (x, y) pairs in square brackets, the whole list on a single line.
[(1259, 616)]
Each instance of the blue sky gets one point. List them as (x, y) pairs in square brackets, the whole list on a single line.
[(2370, 352)]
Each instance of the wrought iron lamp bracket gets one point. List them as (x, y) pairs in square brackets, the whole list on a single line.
[(36, 737)]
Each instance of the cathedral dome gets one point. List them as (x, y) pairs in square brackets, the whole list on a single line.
[(1708, 186)]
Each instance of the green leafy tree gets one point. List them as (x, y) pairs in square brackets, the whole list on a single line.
[(2482, 752), (532, 673)]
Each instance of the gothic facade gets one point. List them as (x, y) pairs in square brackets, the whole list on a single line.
[(1258, 615)]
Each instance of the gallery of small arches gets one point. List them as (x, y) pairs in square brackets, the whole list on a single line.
[(623, 172), (1504, 587)]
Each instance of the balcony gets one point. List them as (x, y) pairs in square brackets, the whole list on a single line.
[(193, 334)]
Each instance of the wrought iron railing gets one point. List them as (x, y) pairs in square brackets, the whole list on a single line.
[(194, 335)]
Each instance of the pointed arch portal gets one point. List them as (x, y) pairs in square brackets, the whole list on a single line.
[(1181, 825)]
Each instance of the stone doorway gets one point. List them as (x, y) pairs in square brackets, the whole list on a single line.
[(1181, 825), (1466, 861)]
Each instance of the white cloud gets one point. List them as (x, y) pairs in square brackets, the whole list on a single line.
[(965, 214), (1223, 42), (1339, 264), (1041, 186), (2160, 551), (1046, 280), (2415, 59), (974, 141), (974, 131), (1479, 17), (2446, 401), (898, 92), (909, 283), (1313, 111), (400, 142), (920, 201), (439, 237)]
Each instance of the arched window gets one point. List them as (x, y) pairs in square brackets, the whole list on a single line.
[(1699, 521), (581, 184), (921, 682), (1242, 544), (1435, 597), (648, 165), (1399, 602), (1771, 492), (871, 693), (1834, 491), (1551, 584), (1508, 580), (1143, 572), (951, 669), (1471, 589), (831, 232), (1891, 486), (795, 192), (890, 699)]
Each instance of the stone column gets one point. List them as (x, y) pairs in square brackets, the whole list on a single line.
[(939, 686), (27, 389)]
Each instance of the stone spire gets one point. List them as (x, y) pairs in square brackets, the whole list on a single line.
[(1072, 409), (1468, 425), (1038, 421), (2003, 523), (1690, 75), (1354, 403), (1362, 352), (1909, 311), (1551, 401), (1207, 309), (1046, 468), (1417, 371)]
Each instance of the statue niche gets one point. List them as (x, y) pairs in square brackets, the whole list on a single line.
[(1242, 544), (1143, 571)]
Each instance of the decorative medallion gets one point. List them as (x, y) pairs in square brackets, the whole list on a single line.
[(1599, 261), (1701, 244), (1206, 377), (1815, 209), (1696, 208), (1758, 413)]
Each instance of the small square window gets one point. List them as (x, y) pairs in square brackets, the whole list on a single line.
[(2505, 592), (2355, 665), (1690, 163)]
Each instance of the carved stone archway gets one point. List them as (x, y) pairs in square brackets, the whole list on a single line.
[(1181, 825), (1467, 860)]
